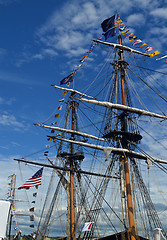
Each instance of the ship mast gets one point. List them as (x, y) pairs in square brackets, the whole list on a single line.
[(124, 145), (72, 195)]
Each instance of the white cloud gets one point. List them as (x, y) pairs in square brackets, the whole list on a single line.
[(10, 120), (136, 20), (160, 12)]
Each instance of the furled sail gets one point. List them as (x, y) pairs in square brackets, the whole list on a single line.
[(70, 131), (72, 90), (115, 150)]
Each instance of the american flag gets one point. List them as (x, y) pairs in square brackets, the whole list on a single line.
[(33, 181)]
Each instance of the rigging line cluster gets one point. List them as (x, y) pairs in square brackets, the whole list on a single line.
[(151, 136), (85, 176), (164, 169), (165, 99)]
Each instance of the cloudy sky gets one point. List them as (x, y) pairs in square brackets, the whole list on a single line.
[(40, 43)]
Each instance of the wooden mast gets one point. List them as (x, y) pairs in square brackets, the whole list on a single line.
[(72, 195), (124, 158)]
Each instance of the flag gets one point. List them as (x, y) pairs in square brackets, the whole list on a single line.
[(35, 180), (82, 60), (144, 44), (61, 100), (31, 217), (46, 153), (52, 131), (32, 225), (110, 33), (67, 79), (31, 209), (122, 28), (108, 23), (148, 49), (87, 226), (154, 53), (128, 35), (59, 107), (35, 194), (57, 115), (64, 93), (137, 41), (79, 65), (33, 202), (132, 38), (118, 21), (48, 146), (126, 32)]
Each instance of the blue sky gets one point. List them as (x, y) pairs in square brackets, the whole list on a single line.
[(41, 41)]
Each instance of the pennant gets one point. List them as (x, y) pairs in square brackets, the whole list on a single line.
[(31, 209), (166, 61), (144, 44), (59, 107), (122, 28), (128, 35), (50, 139), (154, 53), (110, 33), (33, 202), (86, 52), (68, 84), (118, 21), (132, 38), (87, 226), (31, 217), (67, 79), (79, 65), (61, 100), (57, 115), (148, 49), (48, 146), (83, 59), (108, 23), (125, 31), (33, 181), (121, 24), (35, 194), (46, 153), (52, 131), (32, 225), (137, 41), (65, 92)]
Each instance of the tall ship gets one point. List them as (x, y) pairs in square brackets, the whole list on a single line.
[(103, 142)]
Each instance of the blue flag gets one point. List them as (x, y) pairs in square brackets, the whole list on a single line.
[(108, 23), (110, 33), (67, 79)]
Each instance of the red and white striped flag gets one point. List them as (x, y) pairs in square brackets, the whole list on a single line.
[(33, 181), (148, 49)]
